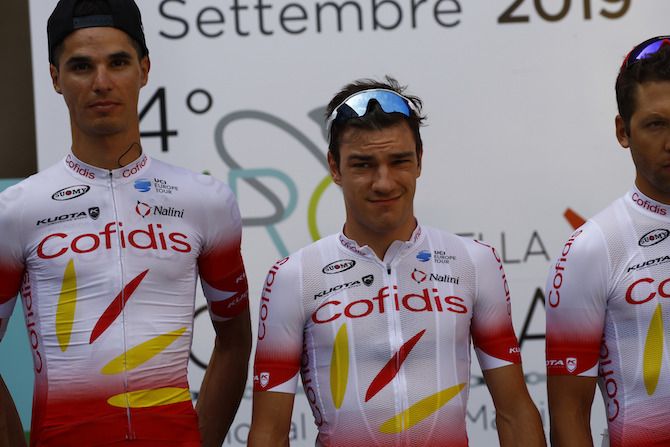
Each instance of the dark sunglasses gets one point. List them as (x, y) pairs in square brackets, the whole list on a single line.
[(645, 49)]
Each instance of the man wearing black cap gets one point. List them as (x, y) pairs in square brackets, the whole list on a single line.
[(106, 247)]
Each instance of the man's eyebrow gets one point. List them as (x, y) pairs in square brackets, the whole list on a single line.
[(120, 55), (74, 60), (403, 154), (359, 157)]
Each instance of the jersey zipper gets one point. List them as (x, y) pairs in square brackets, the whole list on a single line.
[(130, 433), (397, 340)]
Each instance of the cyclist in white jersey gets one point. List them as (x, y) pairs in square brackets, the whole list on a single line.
[(378, 319), (607, 306), (106, 247)]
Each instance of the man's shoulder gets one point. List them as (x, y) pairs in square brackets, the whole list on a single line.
[(437, 235), (36, 185), (307, 256), (323, 246), (202, 185)]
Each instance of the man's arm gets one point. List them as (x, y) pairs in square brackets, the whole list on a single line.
[(271, 419), (570, 400), (517, 418), (225, 379), (11, 431)]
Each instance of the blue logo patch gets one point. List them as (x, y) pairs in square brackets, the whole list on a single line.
[(424, 256), (143, 185)]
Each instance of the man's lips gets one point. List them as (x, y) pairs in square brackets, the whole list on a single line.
[(384, 201), (103, 105)]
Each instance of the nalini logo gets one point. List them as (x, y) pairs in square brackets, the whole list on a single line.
[(265, 379), (94, 212), (339, 266), (368, 280), (654, 237), (71, 192), (142, 209), (143, 185), (571, 364), (424, 256), (419, 276)]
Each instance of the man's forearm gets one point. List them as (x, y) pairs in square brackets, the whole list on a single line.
[(523, 428), (11, 431), (221, 392), (571, 432)]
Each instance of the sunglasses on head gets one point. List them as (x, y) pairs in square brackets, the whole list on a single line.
[(356, 105), (645, 49)]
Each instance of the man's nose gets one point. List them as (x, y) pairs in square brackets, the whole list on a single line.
[(383, 180), (102, 80)]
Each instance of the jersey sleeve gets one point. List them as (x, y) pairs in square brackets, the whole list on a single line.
[(281, 322), (12, 263), (224, 281), (576, 301), (493, 336)]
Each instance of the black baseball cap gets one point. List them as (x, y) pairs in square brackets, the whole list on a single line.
[(123, 15)]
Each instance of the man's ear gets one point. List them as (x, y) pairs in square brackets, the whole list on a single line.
[(334, 169), (145, 66), (55, 79), (621, 131)]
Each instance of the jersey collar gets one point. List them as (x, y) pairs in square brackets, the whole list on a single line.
[(396, 249), (92, 174), (647, 206)]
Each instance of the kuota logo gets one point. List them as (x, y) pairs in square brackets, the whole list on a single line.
[(94, 212)]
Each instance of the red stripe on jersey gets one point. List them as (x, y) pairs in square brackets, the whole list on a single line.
[(389, 371), (232, 306), (499, 342), (223, 269), (567, 356), (274, 369), (116, 307)]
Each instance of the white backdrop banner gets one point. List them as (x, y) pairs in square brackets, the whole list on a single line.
[(520, 102)]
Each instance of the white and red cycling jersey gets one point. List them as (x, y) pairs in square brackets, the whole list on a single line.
[(107, 263), (383, 346), (608, 315)]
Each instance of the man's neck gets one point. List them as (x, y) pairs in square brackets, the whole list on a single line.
[(108, 152), (378, 242)]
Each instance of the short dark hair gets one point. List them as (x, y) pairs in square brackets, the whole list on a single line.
[(376, 118), (655, 67), (123, 15)]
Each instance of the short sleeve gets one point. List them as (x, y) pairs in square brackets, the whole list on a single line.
[(12, 264), (281, 324), (220, 264), (576, 302), (493, 335)]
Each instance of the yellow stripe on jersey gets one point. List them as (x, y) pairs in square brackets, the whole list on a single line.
[(420, 410), (150, 398), (67, 303), (653, 351), (339, 366), (141, 353)]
